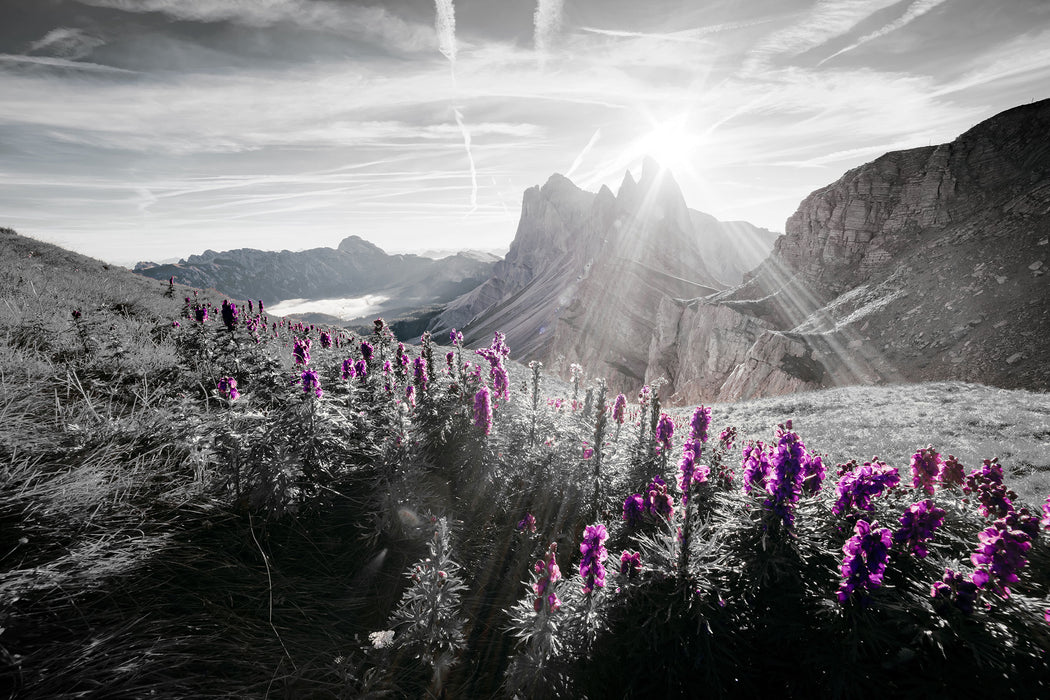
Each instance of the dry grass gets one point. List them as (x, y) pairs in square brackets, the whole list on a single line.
[(971, 421)]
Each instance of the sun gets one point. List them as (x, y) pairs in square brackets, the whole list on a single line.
[(673, 143)]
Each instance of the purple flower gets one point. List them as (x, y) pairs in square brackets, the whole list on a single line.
[(228, 388), (630, 564), (200, 312), (361, 369), (229, 315), (528, 523), (700, 422), (657, 501), (925, 467), (634, 509), (689, 472), (864, 563), (455, 337), (326, 339), (495, 354), (550, 574), (1045, 522), (1001, 552), (917, 526), (756, 467), (450, 358), (787, 470), (813, 474), (260, 306), (410, 395), (954, 589), (420, 367), (367, 350), (311, 382), (952, 472), (592, 565), (588, 451), (987, 484), (664, 432), (858, 487), (348, 368), (619, 406), (727, 438), (483, 409), (301, 351)]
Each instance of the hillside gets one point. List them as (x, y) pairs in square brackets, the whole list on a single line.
[(324, 534), (922, 265)]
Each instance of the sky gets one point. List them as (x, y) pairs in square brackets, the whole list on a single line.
[(155, 129)]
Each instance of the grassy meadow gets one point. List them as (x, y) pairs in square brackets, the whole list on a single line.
[(338, 535)]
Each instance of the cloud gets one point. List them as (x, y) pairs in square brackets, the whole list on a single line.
[(1024, 58), (67, 42), (915, 10), (61, 63), (691, 36), (546, 24), (826, 20), (368, 23)]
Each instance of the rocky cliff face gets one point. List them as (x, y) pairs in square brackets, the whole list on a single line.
[(587, 273), (924, 264), (355, 268)]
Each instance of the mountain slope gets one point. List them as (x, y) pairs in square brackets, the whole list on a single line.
[(923, 264), (585, 272), (355, 268)]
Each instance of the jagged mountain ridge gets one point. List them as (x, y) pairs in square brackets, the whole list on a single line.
[(586, 271), (924, 264), (356, 267)]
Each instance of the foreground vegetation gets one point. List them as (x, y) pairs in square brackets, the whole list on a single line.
[(328, 526)]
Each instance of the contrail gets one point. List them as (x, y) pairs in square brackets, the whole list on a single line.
[(583, 154), (445, 26), (914, 11), (470, 159), (548, 22)]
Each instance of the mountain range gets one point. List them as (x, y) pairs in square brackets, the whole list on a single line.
[(355, 268)]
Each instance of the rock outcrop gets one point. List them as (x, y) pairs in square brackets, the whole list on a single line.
[(587, 273), (923, 264)]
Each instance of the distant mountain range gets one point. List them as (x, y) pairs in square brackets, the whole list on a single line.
[(356, 268)]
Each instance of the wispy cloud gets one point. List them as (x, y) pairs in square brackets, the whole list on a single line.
[(546, 24), (690, 36), (915, 10), (826, 20), (62, 63), (1026, 57), (369, 23), (67, 42)]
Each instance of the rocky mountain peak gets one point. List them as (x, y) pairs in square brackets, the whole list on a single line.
[(355, 245)]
